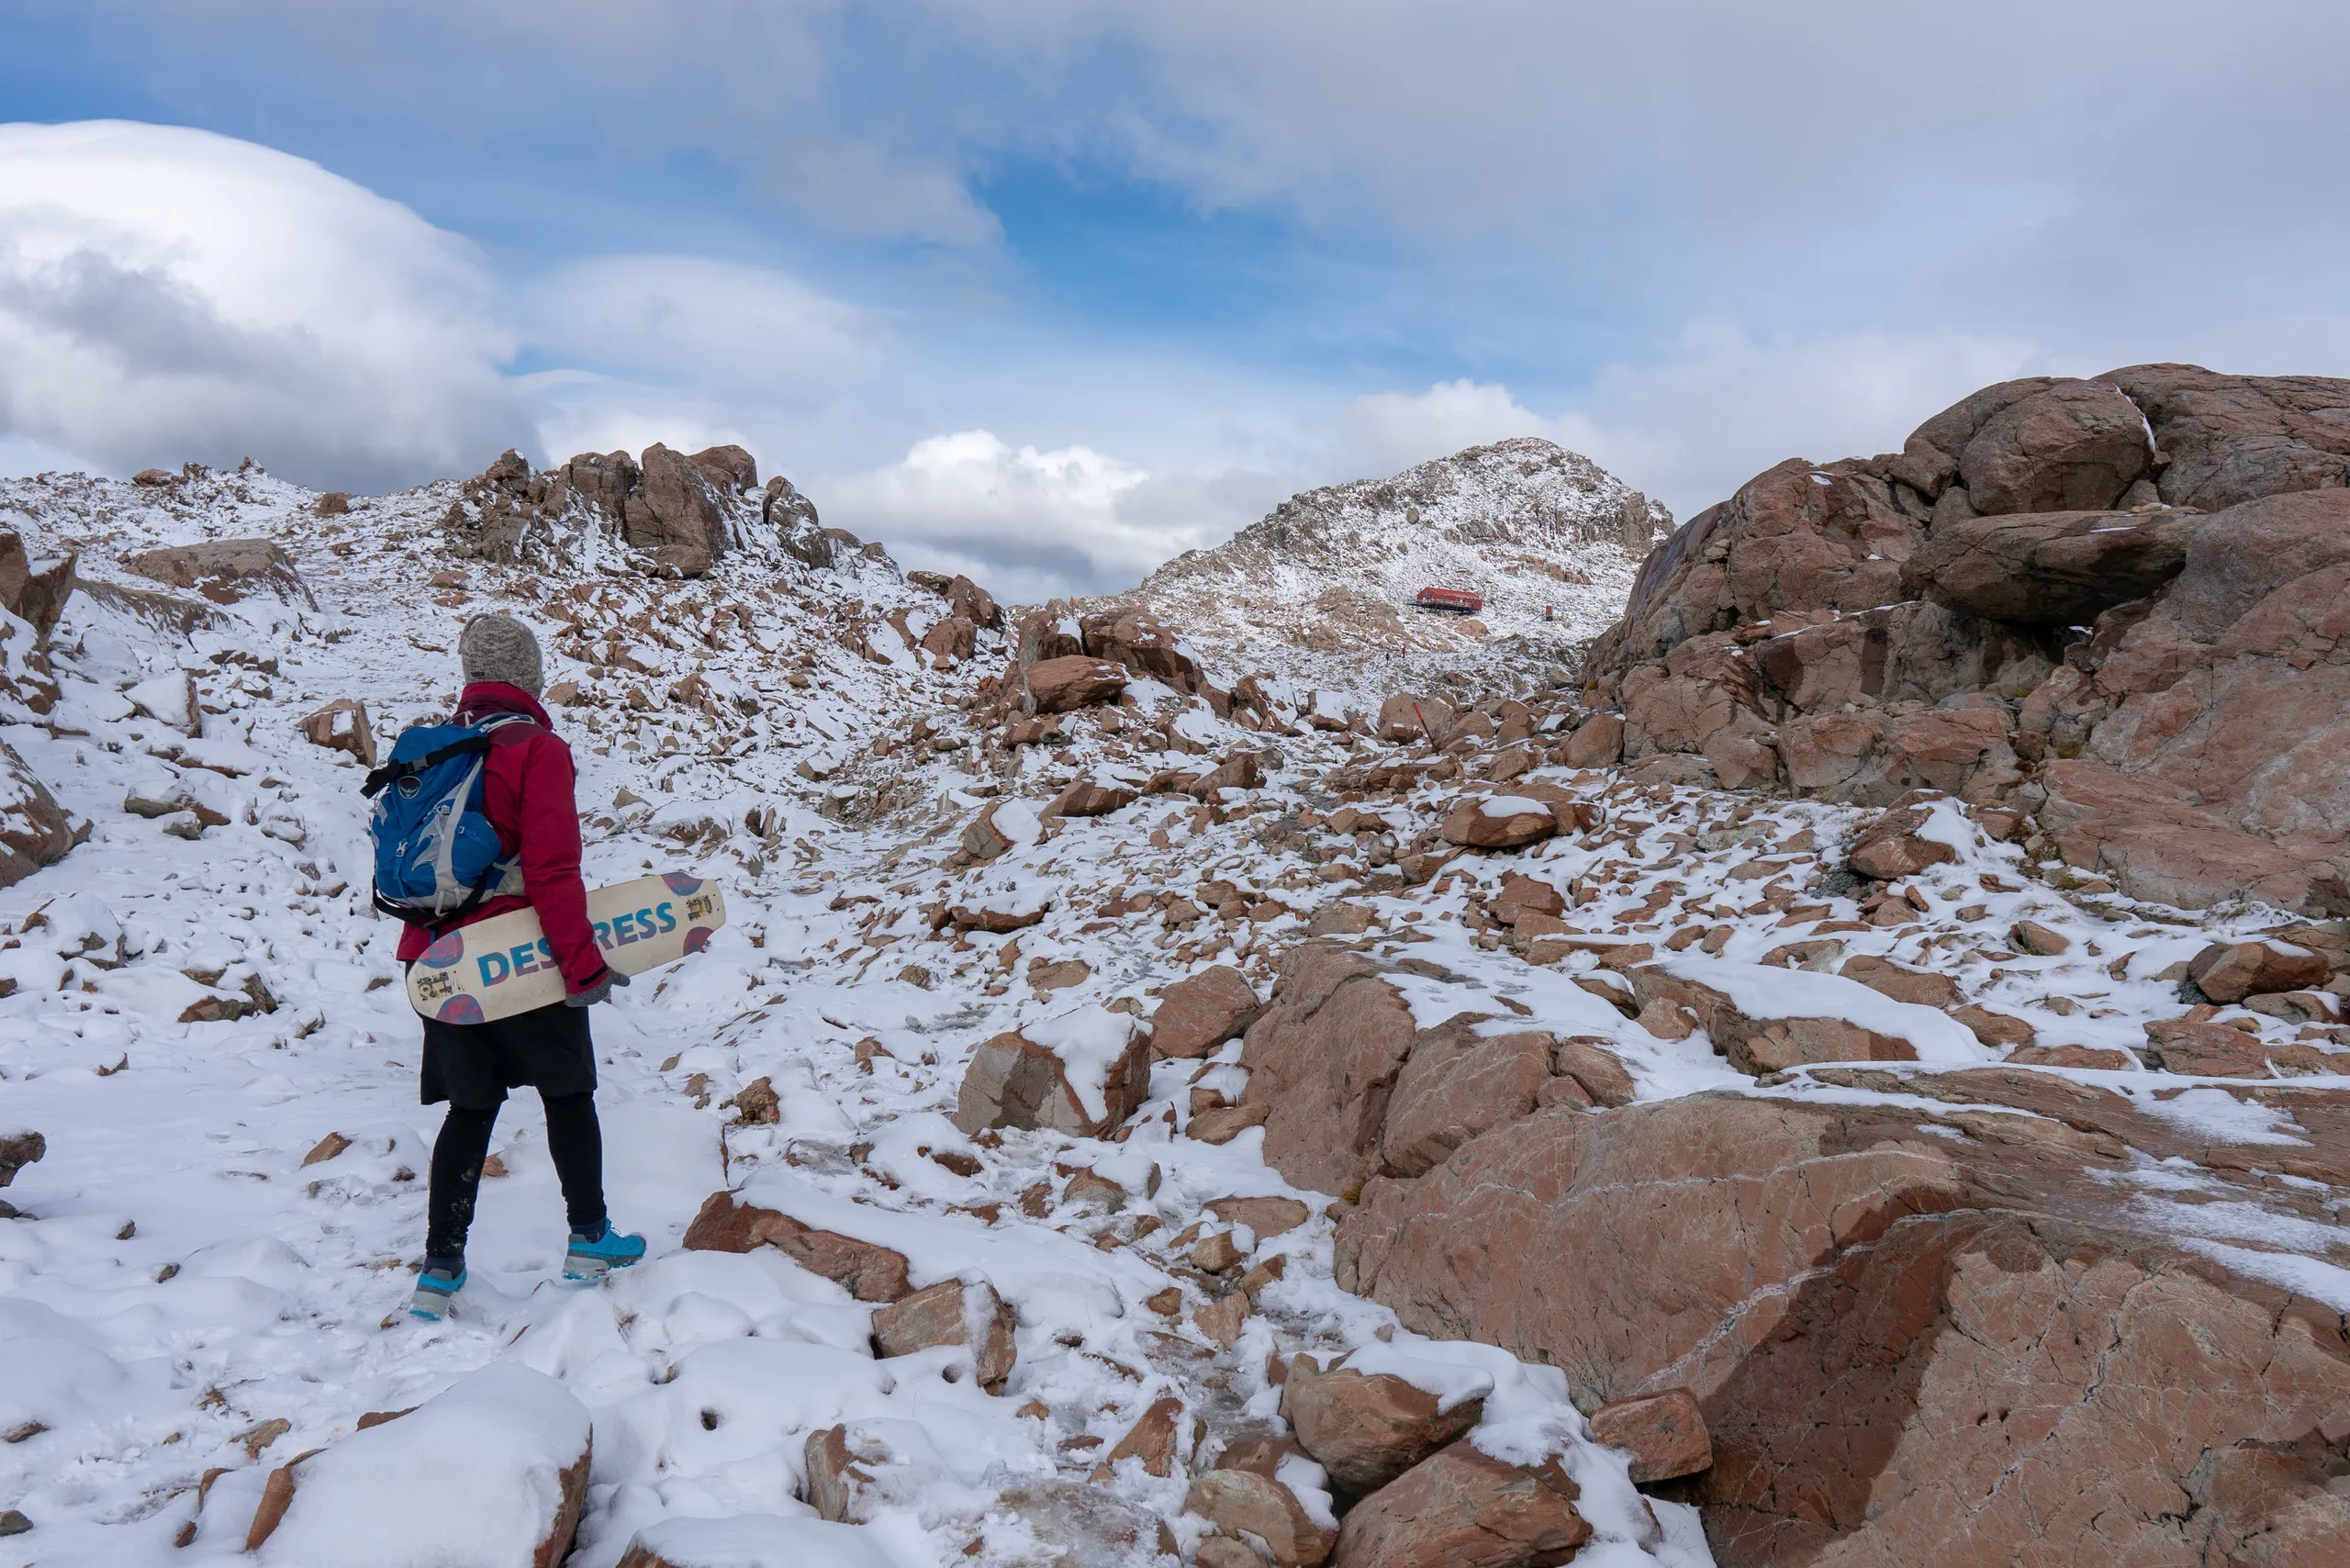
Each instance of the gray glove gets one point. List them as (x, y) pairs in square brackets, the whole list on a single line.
[(600, 992)]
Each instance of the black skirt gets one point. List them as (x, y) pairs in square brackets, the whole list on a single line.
[(472, 1065)]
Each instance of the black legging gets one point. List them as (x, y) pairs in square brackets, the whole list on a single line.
[(574, 1138)]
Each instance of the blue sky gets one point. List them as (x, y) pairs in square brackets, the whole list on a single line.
[(1056, 289)]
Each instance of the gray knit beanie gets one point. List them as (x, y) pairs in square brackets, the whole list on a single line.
[(498, 647)]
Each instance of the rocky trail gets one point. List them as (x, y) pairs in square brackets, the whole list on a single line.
[(1179, 1090)]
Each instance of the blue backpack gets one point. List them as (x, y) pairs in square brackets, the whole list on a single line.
[(437, 856)]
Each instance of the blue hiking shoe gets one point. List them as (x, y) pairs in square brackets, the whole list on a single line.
[(595, 1253), (435, 1289)]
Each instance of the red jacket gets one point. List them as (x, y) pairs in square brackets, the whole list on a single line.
[(527, 796)]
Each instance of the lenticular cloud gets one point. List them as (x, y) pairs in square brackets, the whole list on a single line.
[(167, 293)]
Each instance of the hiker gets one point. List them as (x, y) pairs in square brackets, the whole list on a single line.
[(502, 751)]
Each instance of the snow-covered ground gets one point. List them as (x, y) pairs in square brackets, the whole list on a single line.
[(184, 1294)]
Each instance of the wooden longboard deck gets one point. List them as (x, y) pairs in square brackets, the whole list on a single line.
[(495, 968)]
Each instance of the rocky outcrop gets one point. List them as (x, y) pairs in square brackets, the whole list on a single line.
[(1144, 646), (676, 513), (2119, 599), (1913, 1334)]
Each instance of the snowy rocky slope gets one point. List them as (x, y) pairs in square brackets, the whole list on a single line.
[(1527, 524), (1113, 1033)]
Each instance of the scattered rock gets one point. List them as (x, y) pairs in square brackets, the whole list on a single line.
[(342, 725), (1665, 1432), (2230, 971), (1404, 717), (727, 1223), (1892, 848), (1454, 1085), (2039, 940), (1367, 1430), (169, 698), (1065, 685), (1144, 646), (1081, 1074), (1242, 1502), (1499, 822), (2205, 1050), (1598, 741), (1151, 1439), (836, 1479), (1265, 1217), (1199, 1014), (757, 1103), (1993, 1029), (18, 1150), (1674, 1007), (326, 1148), (1922, 987), (34, 829), (1595, 1068), (953, 1311), (2072, 1056), (1089, 798), (1461, 1509)]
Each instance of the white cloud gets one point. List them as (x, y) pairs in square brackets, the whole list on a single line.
[(1034, 524), (168, 293), (724, 328)]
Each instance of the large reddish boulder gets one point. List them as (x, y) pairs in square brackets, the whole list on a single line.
[(1322, 1060), (1908, 1348), (2231, 439), (2071, 446), (1854, 629), (2217, 719), (1462, 1508)]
